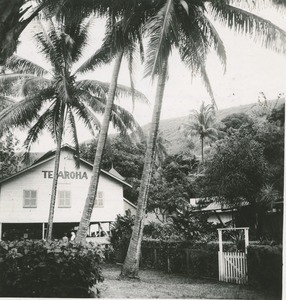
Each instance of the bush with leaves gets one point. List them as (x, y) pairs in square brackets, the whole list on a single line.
[(48, 269), (121, 231), (265, 266), (160, 231)]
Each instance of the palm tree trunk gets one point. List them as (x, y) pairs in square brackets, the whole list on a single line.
[(55, 177), (130, 267), (89, 203), (202, 148)]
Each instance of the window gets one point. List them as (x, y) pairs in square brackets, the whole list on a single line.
[(64, 198), (30, 198), (99, 199)]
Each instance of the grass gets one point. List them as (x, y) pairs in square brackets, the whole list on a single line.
[(157, 284)]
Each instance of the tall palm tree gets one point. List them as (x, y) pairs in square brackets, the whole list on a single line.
[(184, 24), (63, 96), (202, 123), (122, 38)]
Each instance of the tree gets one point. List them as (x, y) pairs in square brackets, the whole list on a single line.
[(236, 172), (65, 95), (10, 160), (235, 121), (171, 187), (202, 123), (184, 24), (122, 37), (247, 166)]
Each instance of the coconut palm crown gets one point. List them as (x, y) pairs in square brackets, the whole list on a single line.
[(54, 99)]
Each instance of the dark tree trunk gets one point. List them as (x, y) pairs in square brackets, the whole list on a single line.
[(131, 264)]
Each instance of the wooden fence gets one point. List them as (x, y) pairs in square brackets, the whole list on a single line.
[(233, 267)]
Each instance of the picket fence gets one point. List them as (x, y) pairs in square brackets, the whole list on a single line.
[(233, 267)]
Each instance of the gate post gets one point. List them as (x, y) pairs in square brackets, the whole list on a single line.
[(220, 256), (246, 238)]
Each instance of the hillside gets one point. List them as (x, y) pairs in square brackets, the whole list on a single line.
[(170, 127)]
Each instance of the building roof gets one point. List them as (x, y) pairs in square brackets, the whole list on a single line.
[(115, 173), (214, 206), (51, 155), (130, 203)]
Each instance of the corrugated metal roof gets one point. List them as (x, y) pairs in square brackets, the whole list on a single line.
[(221, 207)]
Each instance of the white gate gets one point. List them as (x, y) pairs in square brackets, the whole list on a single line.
[(233, 265)]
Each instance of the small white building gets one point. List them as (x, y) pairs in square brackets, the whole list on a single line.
[(25, 198)]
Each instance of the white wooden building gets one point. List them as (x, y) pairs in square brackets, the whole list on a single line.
[(25, 198)]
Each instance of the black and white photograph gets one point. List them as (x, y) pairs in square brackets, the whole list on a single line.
[(142, 149)]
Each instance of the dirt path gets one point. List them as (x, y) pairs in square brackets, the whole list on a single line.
[(156, 284)]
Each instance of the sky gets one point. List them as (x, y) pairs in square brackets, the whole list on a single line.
[(250, 70)]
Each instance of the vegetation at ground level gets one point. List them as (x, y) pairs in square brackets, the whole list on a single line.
[(49, 269)]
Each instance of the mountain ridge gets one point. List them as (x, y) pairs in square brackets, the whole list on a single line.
[(177, 143)]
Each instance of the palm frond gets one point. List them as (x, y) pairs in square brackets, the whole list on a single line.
[(32, 86), (80, 37), (43, 122), (99, 58), (123, 120), (263, 31), (24, 111), (100, 90), (12, 78), (164, 32), (193, 52), (87, 116), (24, 66), (5, 102), (214, 39)]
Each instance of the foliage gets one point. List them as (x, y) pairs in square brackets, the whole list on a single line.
[(196, 259), (237, 170), (265, 266), (203, 124), (123, 154), (161, 231), (248, 165), (9, 158), (194, 226), (162, 255), (235, 121), (121, 231), (171, 185), (48, 269)]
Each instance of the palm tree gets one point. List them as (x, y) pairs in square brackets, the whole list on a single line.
[(63, 96), (185, 25), (202, 123), (122, 37)]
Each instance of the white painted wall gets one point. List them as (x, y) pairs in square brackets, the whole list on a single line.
[(130, 207), (11, 195), (225, 217)]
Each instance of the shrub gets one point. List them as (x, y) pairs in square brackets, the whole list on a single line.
[(265, 266), (121, 232), (161, 231), (48, 269), (163, 255), (197, 259)]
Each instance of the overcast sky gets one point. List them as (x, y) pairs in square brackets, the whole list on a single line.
[(250, 70)]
